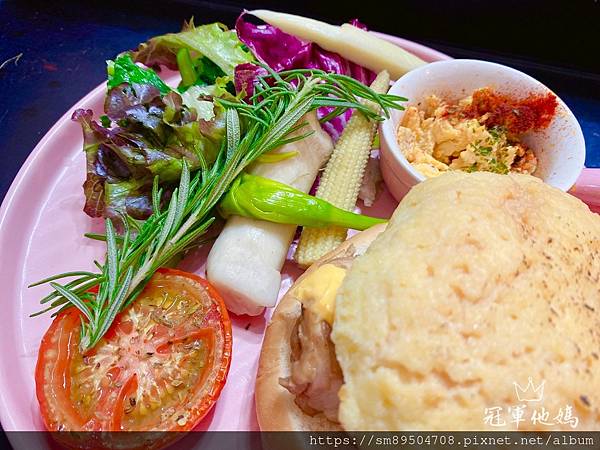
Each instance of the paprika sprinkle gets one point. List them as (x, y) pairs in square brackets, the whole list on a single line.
[(534, 112)]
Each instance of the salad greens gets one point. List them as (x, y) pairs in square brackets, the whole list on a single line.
[(266, 122), (124, 70), (149, 128), (213, 49), (151, 136)]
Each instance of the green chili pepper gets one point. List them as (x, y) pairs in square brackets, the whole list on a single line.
[(265, 199)]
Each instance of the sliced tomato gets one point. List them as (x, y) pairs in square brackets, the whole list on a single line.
[(160, 367)]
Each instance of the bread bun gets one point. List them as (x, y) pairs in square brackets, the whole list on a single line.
[(480, 283), (275, 406)]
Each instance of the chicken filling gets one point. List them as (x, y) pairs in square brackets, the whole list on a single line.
[(316, 376)]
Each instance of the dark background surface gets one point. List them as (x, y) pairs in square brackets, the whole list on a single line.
[(64, 46)]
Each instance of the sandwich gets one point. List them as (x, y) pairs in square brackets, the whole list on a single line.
[(481, 295)]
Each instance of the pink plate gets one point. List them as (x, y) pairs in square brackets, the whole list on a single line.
[(41, 233)]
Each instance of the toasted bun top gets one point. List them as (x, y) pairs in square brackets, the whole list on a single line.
[(480, 281), (275, 406)]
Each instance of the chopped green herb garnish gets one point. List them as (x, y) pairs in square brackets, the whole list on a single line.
[(497, 132), (498, 166), (484, 151)]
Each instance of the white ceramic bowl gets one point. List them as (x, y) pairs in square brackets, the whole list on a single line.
[(560, 148)]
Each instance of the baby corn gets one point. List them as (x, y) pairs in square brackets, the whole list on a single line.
[(342, 178)]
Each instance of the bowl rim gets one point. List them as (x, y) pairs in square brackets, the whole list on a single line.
[(390, 147)]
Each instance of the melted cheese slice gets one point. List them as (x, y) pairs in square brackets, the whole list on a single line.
[(318, 290)]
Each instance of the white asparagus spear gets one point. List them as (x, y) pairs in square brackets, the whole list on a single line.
[(245, 261), (353, 43)]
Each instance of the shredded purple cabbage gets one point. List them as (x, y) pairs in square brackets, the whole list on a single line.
[(282, 51)]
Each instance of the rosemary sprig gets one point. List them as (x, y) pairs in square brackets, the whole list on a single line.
[(270, 117)]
